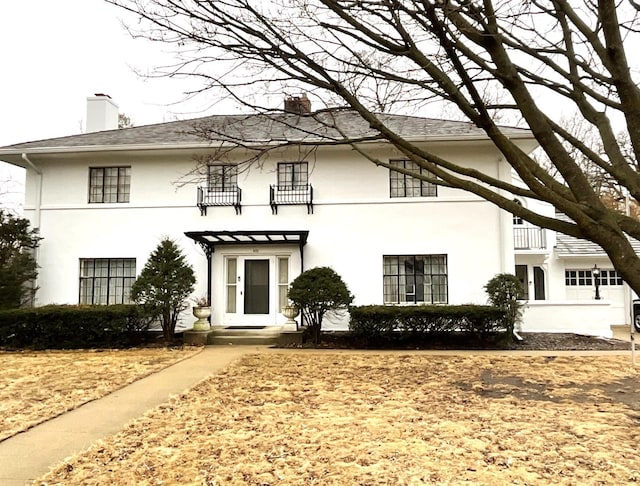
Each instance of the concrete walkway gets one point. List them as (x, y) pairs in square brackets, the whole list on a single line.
[(29, 455)]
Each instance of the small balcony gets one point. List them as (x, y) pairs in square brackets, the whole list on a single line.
[(529, 238), (208, 197), (291, 195)]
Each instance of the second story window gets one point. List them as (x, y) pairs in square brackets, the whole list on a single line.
[(402, 185), (292, 187), (223, 178), (109, 184), (221, 188), (292, 176), (517, 220)]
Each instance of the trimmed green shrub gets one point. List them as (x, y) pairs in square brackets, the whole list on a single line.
[(164, 285), (74, 327), (505, 291), (376, 324), (316, 292)]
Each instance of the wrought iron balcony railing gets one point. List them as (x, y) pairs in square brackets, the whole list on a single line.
[(529, 238), (291, 195), (231, 196)]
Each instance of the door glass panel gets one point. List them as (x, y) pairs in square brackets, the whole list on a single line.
[(232, 277), (523, 276), (538, 283), (256, 287), (283, 281)]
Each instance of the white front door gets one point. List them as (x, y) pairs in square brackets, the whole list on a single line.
[(253, 288)]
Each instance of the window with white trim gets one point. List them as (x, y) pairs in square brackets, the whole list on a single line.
[(109, 184), (106, 280), (415, 279), (293, 176), (222, 177), (584, 278), (610, 277), (517, 220), (403, 185)]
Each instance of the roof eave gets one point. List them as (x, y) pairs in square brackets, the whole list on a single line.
[(583, 255), (14, 156)]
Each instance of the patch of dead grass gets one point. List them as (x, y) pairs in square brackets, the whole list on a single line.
[(303, 419), (37, 386)]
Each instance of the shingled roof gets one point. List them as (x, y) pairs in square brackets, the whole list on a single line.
[(326, 126), (567, 246)]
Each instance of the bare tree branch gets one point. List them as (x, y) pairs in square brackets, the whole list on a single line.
[(486, 60)]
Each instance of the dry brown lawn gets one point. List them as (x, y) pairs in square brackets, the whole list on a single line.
[(37, 386), (383, 419)]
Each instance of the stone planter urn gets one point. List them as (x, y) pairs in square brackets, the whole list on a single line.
[(202, 313), (290, 312)]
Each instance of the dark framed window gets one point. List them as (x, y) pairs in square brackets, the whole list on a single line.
[(109, 184), (106, 280), (293, 176), (608, 277), (402, 185), (415, 279), (574, 278), (517, 220), (222, 177)]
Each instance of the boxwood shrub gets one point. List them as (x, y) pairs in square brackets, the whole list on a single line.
[(379, 324), (73, 327)]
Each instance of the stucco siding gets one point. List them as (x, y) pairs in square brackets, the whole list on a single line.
[(353, 225)]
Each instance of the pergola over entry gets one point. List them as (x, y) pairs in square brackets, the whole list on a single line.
[(208, 240)]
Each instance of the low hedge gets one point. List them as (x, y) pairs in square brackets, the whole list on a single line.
[(379, 323), (73, 327)]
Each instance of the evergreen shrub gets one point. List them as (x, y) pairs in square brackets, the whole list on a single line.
[(164, 285), (316, 292), (380, 324), (74, 327), (505, 291)]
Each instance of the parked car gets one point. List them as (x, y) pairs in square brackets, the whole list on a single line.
[(636, 314)]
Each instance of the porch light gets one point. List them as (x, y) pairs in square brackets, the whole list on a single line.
[(596, 279)]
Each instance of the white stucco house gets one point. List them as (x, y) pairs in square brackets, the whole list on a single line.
[(103, 199)]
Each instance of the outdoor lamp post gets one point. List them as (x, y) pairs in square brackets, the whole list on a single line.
[(596, 279)]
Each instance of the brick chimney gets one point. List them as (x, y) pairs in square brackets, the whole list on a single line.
[(102, 113), (297, 104)]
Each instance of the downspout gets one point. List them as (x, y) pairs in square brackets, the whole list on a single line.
[(209, 253), (301, 271), (507, 262), (37, 170), (505, 231), (36, 217)]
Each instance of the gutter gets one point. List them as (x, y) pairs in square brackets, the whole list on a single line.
[(38, 171), (253, 144)]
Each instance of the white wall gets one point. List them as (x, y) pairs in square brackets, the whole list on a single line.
[(580, 317), (570, 308), (354, 223), (574, 308)]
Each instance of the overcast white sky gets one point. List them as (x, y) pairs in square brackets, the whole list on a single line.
[(55, 53)]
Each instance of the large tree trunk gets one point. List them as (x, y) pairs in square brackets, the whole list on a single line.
[(493, 62)]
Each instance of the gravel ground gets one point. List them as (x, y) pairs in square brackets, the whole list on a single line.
[(568, 342)]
